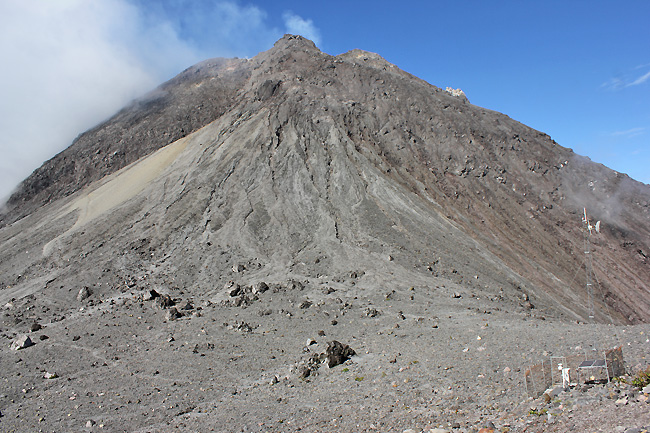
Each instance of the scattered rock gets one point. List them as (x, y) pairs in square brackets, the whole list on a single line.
[(90, 423), (165, 301), (372, 312), (43, 337), (49, 375), (21, 342), (84, 293), (188, 306), (35, 327), (306, 304), (456, 295), (458, 93), (309, 366), (235, 290), (238, 268), (203, 347), (242, 327), (260, 287), (243, 295), (337, 353), (173, 314), (150, 295)]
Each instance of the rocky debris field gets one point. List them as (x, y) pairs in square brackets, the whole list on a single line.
[(302, 355), (316, 243)]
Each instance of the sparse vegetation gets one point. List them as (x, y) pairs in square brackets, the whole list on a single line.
[(642, 378), (538, 412)]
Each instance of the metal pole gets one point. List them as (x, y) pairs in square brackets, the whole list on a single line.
[(589, 277)]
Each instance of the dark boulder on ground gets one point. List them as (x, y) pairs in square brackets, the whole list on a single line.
[(337, 353), (173, 314), (150, 295), (166, 301)]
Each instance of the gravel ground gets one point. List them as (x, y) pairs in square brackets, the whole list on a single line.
[(425, 359)]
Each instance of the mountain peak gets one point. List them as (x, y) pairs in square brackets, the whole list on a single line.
[(299, 197), (341, 152), (293, 42), (373, 60)]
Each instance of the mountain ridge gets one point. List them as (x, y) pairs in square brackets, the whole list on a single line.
[(507, 186), (205, 275)]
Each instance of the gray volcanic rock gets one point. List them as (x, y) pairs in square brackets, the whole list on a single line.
[(278, 196), (22, 342), (337, 353), (309, 155), (170, 112)]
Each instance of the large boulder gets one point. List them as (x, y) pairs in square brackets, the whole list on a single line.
[(337, 353), (21, 342)]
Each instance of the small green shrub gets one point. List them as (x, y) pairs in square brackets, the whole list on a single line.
[(537, 412), (642, 378), (345, 370), (358, 378)]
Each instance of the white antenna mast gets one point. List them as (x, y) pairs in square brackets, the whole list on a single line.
[(588, 229)]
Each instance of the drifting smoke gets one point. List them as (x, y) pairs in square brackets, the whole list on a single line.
[(70, 64)]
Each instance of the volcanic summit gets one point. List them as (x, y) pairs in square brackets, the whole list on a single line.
[(299, 195)]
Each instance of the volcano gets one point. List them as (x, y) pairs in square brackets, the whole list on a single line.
[(295, 192)]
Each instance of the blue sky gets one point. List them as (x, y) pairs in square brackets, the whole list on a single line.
[(577, 70)]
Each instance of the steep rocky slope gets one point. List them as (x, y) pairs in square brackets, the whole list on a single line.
[(347, 160), (179, 107), (188, 263)]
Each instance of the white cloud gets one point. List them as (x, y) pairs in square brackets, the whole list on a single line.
[(299, 26), (613, 84), (629, 133), (60, 58), (642, 79), (626, 80), (69, 64)]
